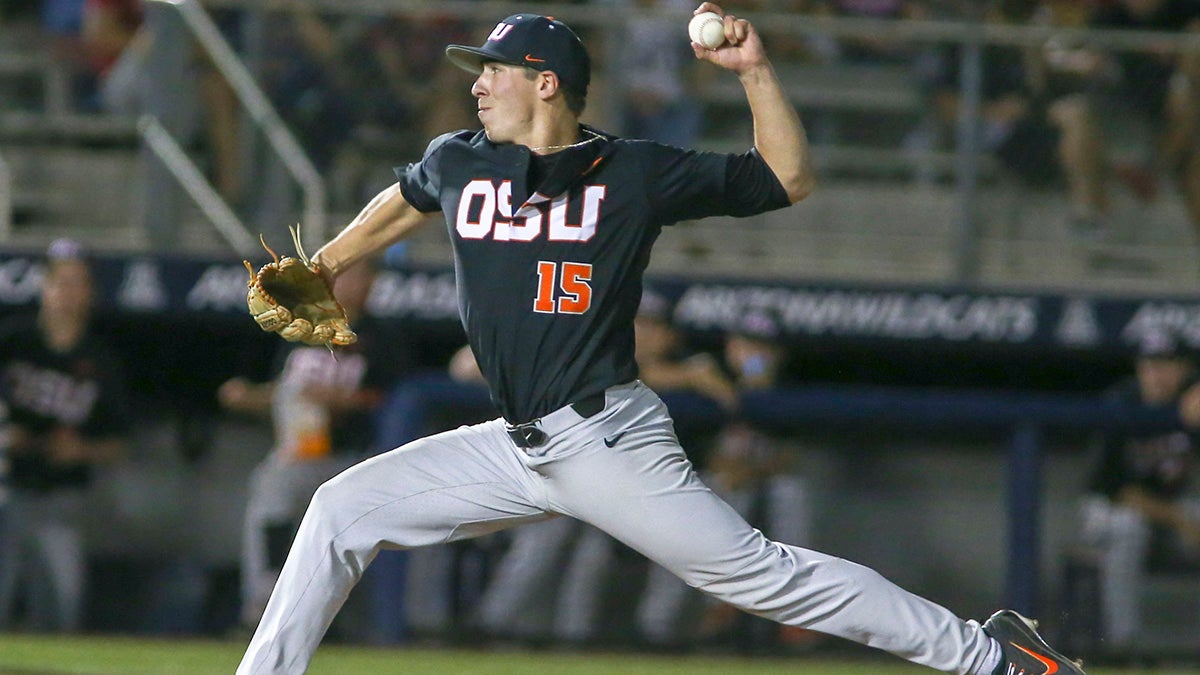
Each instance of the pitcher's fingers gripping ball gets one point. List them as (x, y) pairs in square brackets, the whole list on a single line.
[(293, 297)]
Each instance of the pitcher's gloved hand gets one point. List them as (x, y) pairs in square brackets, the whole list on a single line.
[(294, 298)]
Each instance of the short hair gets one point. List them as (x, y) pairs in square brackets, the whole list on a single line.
[(576, 102)]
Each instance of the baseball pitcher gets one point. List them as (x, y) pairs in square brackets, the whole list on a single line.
[(552, 223)]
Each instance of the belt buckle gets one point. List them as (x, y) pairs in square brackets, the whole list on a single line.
[(527, 435)]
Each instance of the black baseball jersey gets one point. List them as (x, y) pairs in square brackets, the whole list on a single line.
[(549, 252), (82, 389), (1160, 463)]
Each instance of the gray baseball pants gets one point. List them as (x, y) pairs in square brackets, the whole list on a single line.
[(44, 554), (1120, 536), (643, 491)]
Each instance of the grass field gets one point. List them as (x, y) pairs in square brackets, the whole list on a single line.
[(38, 655)]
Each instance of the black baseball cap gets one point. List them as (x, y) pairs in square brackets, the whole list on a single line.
[(535, 41)]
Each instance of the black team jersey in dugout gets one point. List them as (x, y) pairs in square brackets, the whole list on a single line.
[(550, 275), (44, 389)]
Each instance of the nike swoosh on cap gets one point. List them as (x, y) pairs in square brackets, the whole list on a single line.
[(531, 58)]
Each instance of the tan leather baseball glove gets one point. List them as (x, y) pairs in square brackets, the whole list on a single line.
[(294, 298)]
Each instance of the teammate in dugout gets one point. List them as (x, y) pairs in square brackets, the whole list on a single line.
[(69, 413), (552, 223)]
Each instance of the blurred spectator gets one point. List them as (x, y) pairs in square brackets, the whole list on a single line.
[(1146, 100), (125, 47), (86, 38), (792, 46), (68, 412), (220, 123), (62, 22), (878, 50), (322, 406), (665, 361), (301, 77), (880, 53), (22, 34), (149, 63), (409, 52), (653, 75), (406, 53), (1040, 137), (357, 89), (1137, 508), (109, 26), (464, 368), (525, 598)]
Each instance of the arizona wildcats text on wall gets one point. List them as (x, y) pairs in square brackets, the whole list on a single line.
[(926, 314)]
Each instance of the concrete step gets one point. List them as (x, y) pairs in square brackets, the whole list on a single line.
[(71, 130), (94, 186)]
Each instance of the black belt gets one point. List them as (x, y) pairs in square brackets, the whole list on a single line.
[(529, 435)]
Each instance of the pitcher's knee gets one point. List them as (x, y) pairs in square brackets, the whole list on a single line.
[(331, 503), (784, 584)]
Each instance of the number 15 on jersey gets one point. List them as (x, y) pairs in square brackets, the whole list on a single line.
[(563, 287)]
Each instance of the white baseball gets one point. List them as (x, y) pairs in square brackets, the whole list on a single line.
[(707, 29)]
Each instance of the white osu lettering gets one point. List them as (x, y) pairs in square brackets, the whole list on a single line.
[(561, 230), (531, 217), (471, 229), (499, 31), (481, 197)]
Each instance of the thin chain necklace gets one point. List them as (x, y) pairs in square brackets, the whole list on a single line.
[(551, 148)]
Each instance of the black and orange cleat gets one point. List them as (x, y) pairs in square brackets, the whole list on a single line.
[(1025, 652)]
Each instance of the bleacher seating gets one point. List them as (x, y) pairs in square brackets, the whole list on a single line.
[(886, 210), (65, 167), (71, 177)]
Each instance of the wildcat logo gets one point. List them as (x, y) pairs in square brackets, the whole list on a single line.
[(484, 209)]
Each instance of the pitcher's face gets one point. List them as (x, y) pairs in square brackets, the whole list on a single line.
[(505, 96)]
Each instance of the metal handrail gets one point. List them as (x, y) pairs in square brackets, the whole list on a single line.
[(6, 208), (263, 114), (164, 146)]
